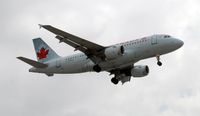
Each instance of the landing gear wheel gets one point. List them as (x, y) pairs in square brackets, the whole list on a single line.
[(114, 80), (158, 60), (159, 63), (97, 68)]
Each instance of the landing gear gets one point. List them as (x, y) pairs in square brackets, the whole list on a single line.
[(158, 60), (159, 63), (97, 68), (114, 80)]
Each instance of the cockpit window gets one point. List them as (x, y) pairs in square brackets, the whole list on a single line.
[(167, 36)]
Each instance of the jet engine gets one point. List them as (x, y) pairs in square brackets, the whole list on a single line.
[(140, 71), (113, 52)]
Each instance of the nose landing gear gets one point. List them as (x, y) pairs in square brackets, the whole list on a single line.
[(158, 60), (159, 63)]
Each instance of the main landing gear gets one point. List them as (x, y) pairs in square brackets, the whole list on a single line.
[(158, 60), (114, 80), (97, 68)]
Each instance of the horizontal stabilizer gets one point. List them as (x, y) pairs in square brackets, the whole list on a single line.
[(33, 63)]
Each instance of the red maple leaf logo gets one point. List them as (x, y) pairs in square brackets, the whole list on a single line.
[(42, 53)]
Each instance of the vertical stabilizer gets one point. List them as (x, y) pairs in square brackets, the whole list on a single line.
[(43, 52)]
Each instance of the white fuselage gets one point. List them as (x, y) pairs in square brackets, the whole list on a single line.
[(133, 51)]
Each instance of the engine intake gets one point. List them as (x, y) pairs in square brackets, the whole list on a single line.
[(140, 71), (114, 52)]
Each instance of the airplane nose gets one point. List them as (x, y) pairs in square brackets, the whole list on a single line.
[(178, 43)]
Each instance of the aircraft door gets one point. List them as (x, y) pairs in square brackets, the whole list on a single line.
[(153, 40)]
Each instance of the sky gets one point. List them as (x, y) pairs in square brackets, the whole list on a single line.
[(172, 89)]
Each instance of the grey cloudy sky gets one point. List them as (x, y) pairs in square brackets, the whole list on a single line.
[(172, 89)]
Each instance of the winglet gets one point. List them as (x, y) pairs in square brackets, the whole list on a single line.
[(40, 26), (32, 62)]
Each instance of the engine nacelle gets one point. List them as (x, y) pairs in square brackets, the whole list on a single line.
[(113, 52), (140, 71)]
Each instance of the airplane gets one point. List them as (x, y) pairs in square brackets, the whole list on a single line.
[(118, 59)]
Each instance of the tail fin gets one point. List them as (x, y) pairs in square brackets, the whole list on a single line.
[(43, 52)]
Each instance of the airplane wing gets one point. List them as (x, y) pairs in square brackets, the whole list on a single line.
[(92, 50)]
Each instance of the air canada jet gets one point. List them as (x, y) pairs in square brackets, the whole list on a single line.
[(118, 59)]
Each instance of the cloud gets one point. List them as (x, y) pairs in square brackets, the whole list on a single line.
[(172, 89)]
